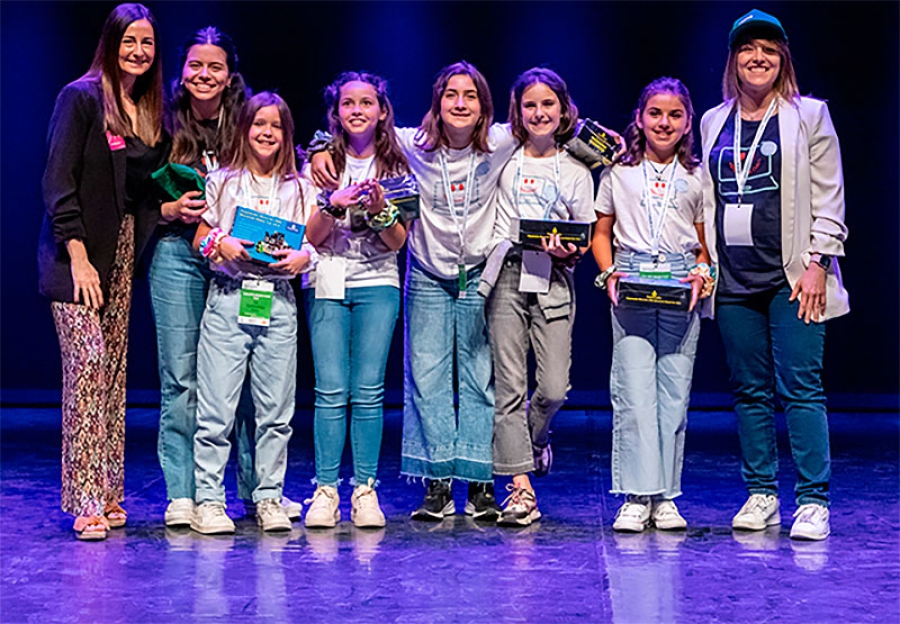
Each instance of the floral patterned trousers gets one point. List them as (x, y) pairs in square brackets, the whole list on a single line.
[(93, 345)]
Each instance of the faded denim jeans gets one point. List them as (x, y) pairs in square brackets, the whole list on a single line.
[(443, 328), (650, 388)]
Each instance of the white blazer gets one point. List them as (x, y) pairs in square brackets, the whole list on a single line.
[(812, 191)]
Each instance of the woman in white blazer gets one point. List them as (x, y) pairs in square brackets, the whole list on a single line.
[(775, 221)]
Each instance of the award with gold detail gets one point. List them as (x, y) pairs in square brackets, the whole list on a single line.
[(648, 292)]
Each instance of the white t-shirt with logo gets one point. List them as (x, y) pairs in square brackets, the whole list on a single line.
[(226, 190), (622, 193), (538, 196), (369, 261), (434, 238)]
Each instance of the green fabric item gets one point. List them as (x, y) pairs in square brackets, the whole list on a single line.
[(176, 180)]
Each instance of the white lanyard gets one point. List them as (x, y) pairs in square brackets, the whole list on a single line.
[(655, 235), (741, 173), (448, 191), (520, 161)]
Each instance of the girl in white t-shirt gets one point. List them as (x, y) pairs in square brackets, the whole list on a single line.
[(649, 208), (235, 335), (457, 156), (353, 297), (532, 302)]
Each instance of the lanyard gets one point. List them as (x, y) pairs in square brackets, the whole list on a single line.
[(209, 156), (448, 191), (520, 161), (656, 234), (741, 173)]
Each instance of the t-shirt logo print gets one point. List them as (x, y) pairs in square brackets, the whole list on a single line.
[(761, 177)]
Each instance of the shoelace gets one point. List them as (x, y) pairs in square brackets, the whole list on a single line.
[(519, 496), (316, 495), (806, 513), (630, 508)]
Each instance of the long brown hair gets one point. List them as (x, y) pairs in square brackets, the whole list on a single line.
[(431, 132), (188, 141), (637, 141), (568, 111), (786, 83), (285, 164), (389, 158), (147, 94)]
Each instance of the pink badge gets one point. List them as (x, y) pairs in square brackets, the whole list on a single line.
[(116, 142)]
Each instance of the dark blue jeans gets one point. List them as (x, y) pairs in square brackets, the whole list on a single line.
[(769, 349)]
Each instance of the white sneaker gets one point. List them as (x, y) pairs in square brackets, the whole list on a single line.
[(293, 509), (811, 522), (634, 515), (271, 516), (210, 519), (665, 516), (179, 511), (364, 508), (324, 508), (759, 512)]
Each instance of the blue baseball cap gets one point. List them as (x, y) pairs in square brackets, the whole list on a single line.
[(757, 20)]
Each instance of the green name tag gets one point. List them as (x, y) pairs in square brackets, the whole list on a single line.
[(653, 270), (256, 302)]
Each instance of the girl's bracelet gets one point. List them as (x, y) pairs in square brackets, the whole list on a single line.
[(383, 220), (210, 242), (603, 278)]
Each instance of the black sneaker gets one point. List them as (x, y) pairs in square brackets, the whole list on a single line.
[(543, 460), (482, 504), (438, 502)]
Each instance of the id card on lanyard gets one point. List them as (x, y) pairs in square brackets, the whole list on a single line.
[(463, 281), (659, 268), (257, 294), (737, 221)]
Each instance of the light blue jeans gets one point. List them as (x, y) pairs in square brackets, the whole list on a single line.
[(769, 349), (179, 283), (350, 343), (650, 388), (442, 328), (225, 353)]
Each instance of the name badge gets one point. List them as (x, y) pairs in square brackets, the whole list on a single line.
[(738, 225), (331, 273), (256, 302), (462, 280), (116, 142), (536, 269), (655, 270)]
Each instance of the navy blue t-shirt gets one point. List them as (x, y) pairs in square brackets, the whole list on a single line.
[(749, 269)]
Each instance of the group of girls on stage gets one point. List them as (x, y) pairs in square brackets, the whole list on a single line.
[(475, 299)]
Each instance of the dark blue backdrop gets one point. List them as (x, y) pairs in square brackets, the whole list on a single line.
[(845, 52)]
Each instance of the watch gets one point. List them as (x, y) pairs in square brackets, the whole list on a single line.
[(821, 259)]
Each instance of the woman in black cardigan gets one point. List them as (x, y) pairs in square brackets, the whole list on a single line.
[(105, 139)]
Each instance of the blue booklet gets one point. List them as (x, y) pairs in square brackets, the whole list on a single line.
[(267, 233)]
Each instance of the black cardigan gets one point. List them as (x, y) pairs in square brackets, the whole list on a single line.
[(84, 192)]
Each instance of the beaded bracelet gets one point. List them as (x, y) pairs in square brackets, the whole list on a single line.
[(210, 242), (381, 221)]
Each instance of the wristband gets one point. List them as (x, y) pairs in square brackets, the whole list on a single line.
[(709, 277), (603, 278), (210, 242), (383, 220)]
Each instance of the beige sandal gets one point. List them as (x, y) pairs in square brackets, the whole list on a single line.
[(115, 515), (90, 528)]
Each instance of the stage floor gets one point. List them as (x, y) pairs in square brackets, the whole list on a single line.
[(569, 566)]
